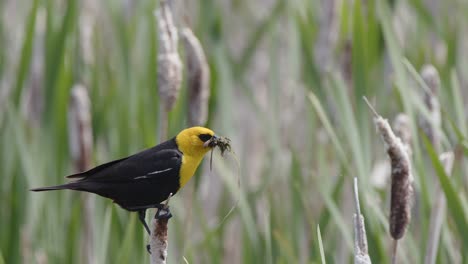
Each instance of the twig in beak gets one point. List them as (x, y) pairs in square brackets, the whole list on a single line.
[(211, 160)]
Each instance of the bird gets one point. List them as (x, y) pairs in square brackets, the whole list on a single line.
[(145, 179)]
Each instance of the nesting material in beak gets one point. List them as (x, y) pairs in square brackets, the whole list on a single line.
[(223, 143)]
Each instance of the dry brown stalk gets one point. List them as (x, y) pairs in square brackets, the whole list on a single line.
[(198, 81)]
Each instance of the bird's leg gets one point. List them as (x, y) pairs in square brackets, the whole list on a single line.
[(148, 248), (141, 216)]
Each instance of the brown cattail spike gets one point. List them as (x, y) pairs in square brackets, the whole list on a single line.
[(198, 79), (169, 63), (400, 174)]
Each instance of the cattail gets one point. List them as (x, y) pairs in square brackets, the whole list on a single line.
[(361, 255), (431, 122), (380, 174), (400, 174), (431, 77), (198, 79), (169, 63), (401, 190), (81, 145)]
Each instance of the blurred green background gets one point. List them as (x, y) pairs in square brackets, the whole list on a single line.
[(287, 84)]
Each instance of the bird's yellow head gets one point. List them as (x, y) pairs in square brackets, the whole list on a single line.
[(195, 141)]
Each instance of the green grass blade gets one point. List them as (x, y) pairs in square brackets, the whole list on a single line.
[(458, 104), (329, 128), (455, 206), (54, 59), (320, 244)]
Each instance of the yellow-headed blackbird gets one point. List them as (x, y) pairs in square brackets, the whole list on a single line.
[(147, 178)]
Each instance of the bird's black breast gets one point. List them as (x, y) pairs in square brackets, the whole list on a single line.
[(141, 180)]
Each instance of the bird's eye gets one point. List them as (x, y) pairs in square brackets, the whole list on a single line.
[(205, 137)]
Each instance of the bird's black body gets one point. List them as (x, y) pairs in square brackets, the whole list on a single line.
[(137, 182)]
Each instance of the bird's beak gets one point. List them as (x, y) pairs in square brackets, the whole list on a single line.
[(211, 142)]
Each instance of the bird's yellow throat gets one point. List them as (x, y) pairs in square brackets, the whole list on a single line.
[(193, 151)]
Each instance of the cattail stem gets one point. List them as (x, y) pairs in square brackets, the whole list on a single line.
[(394, 250), (169, 82), (81, 145), (158, 239)]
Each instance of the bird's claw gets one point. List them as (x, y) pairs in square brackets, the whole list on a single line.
[(163, 213), (148, 248)]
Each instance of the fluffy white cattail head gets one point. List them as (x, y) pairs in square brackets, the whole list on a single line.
[(169, 63), (198, 79)]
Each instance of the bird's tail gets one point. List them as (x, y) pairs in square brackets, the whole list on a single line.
[(70, 185)]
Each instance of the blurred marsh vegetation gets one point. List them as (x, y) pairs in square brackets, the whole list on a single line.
[(287, 80)]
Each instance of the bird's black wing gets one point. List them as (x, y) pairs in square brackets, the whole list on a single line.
[(140, 181), (147, 164), (96, 170), (151, 153)]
